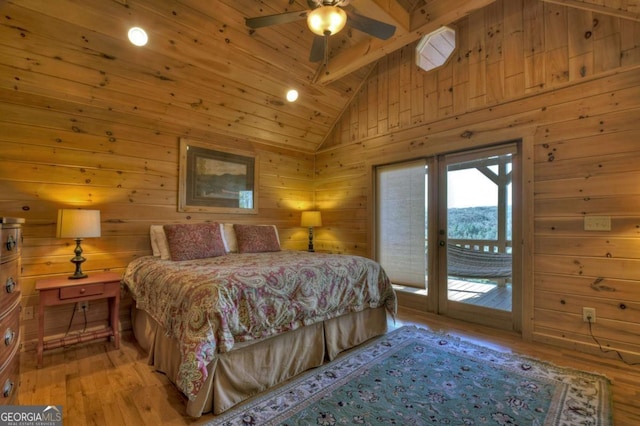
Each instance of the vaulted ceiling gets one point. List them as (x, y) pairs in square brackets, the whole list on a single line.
[(206, 70)]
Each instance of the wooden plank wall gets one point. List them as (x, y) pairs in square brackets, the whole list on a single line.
[(75, 135), (567, 82), (132, 180), (133, 188)]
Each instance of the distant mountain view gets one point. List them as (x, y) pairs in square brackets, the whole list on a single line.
[(476, 223)]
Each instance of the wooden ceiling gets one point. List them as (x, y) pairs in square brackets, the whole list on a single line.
[(206, 70)]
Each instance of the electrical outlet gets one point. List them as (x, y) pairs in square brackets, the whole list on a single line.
[(82, 306), (589, 315), (27, 313)]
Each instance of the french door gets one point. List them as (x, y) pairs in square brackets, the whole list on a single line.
[(445, 233), (478, 279)]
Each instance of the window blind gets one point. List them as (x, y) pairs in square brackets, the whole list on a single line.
[(401, 222)]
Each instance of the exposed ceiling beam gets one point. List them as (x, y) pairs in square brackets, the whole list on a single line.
[(605, 10), (423, 21)]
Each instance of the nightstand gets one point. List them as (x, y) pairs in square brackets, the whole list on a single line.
[(61, 291)]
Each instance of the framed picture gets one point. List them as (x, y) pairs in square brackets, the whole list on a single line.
[(217, 180)]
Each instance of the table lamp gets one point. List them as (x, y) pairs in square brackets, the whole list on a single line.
[(311, 219), (78, 224)]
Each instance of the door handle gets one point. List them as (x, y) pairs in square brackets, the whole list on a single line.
[(442, 243)]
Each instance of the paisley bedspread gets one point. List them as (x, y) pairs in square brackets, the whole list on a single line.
[(209, 304)]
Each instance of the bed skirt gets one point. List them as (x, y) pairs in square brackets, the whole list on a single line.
[(253, 367)]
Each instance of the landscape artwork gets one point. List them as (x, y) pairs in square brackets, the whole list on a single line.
[(215, 180)]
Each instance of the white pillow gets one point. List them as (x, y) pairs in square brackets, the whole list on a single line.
[(275, 228), (229, 237), (160, 238), (154, 242)]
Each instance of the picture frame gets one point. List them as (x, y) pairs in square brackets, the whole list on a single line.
[(217, 180)]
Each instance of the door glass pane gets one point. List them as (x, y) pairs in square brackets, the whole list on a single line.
[(479, 232), (401, 222)]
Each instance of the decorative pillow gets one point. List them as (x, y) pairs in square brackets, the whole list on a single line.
[(194, 241), (230, 240), (159, 243), (256, 238)]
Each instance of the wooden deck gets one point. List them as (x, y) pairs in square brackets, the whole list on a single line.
[(490, 295), (487, 294)]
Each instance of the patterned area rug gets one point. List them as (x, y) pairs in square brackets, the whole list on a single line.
[(412, 376)]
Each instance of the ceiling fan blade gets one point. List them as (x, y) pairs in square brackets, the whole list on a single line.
[(277, 19), (317, 49), (370, 26)]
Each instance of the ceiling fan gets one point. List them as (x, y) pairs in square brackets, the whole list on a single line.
[(326, 18)]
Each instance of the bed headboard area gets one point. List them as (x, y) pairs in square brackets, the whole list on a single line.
[(201, 240)]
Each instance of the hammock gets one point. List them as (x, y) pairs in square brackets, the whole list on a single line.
[(464, 262)]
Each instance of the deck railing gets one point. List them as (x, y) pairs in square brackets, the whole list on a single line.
[(487, 246)]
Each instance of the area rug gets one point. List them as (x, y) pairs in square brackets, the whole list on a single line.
[(412, 376)]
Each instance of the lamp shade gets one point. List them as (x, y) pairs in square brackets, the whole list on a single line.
[(76, 223), (311, 219), (326, 20)]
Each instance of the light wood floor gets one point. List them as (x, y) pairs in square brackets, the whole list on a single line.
[(97, 385)]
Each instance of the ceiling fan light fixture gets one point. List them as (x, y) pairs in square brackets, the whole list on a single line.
[(326, 20)]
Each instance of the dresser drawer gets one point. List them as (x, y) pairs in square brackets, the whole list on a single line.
[(9, 332), (10, 379), (11, 243), (10, 250), (81, 291), (9, 284)]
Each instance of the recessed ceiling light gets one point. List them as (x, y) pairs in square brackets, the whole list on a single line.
[(138, 36), (292, 95)]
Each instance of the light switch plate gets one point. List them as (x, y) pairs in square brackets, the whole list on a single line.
[(597, 223)]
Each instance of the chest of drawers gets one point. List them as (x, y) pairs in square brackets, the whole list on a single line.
[(10, 270)]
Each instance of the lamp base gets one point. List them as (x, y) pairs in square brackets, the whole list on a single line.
[(310, 249), (78, 260), (77, 277)]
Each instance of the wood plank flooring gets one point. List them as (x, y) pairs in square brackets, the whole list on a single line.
[(98, 385)]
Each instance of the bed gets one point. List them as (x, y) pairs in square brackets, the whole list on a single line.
[(226, 314)]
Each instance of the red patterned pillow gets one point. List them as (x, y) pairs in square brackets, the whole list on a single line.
[(256, 238), (194, 240)]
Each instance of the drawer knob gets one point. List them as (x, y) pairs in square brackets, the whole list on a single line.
[(11, 243), (8, 388), (9, 335), (10, 285), (83, 290)]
